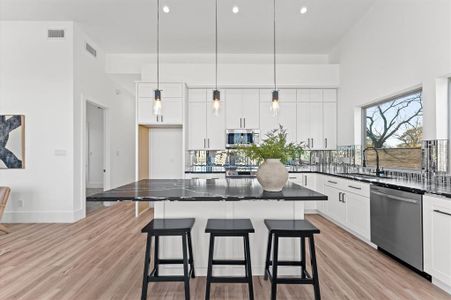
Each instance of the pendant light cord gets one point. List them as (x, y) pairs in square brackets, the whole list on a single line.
[(275, 86), (216, 45), (158, 44)]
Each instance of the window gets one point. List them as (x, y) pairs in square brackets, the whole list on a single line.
[(396, 127)]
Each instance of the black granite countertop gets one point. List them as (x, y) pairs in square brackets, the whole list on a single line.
[(204, 190), (394, 183)]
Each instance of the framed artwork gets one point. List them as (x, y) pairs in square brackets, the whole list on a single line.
[(12, 141)]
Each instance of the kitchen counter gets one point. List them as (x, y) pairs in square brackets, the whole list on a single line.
[(394, 183), (204, 190)]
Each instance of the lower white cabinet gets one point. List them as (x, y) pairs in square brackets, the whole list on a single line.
[(307, 180), (348, 204), (437, 238), (358, 214)]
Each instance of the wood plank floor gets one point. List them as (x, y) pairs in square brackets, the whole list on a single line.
[(101, 257)]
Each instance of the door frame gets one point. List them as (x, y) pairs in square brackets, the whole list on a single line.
[(84, 145)]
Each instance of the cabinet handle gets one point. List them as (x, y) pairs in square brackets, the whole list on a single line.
[(244, 122), (204, 144), (292, 177), (442, 212), (312, 143), (208, 141), (339, 196), (162, 118), (330, 181), (241, 122), (343, 198), (158, 118), (354, 187), (308, 143), (325, 143), (305, 179)]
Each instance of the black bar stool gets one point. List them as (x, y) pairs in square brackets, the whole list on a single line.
[(229, 228), (168, 227), (291, 229)]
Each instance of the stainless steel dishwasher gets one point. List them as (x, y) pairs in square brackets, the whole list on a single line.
[(397, 224)]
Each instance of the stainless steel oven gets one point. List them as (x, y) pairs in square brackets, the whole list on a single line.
[(241, 137), (397, 224)]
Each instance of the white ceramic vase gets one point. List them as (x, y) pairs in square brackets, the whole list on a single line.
[(272, 175)]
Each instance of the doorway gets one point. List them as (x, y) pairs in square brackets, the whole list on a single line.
[(95, 154)]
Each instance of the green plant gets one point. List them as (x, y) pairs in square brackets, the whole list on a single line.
[(275, 146)]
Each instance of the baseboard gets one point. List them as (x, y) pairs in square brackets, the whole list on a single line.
[(64, 216), (441, 285), (311, 211)]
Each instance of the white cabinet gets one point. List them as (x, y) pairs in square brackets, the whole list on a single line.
[(197, 120), (172, 104), (268, 121), (242, 108), (316, 118), (358, 214), (330, 125), (307, 180), (437, 238), (204, 176), (206, 130), (348, 205), (287, 118), (336, 208)]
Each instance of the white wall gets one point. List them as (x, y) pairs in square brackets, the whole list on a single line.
[(49, 81), (233, 70), (92, 84), (95, 151), (36, 79), (397, 45)]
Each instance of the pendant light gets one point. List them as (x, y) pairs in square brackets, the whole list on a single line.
[(216, 93), (157, 95), (275, 92)]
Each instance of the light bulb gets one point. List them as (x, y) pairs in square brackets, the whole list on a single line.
[(275, 107), (216, 102), (235, 9), (216, 106), (166, 9), (303, 10), (157, 107)]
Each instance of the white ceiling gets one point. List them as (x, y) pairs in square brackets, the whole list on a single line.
[(128, 26)]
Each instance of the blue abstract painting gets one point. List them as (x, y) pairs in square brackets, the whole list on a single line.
[(12, 141)]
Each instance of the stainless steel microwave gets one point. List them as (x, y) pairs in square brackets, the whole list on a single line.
[(241, 137)]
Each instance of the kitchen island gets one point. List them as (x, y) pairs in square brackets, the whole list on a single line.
[(229, 198)]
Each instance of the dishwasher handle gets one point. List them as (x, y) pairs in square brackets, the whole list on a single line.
[(395, 197)]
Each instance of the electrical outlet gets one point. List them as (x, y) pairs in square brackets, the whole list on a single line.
[(20, 203)]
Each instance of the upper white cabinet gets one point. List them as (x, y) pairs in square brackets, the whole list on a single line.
[(172, 104), (242, 108), (206, 129), (437, 238), (316, 118)]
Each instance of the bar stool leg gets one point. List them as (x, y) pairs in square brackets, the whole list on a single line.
[(191, 258), (268, 256), (210, 266), (274, 267), (314, 268), (185, 266), (303, 264), (146, 268), (156, 257), (248, 266)]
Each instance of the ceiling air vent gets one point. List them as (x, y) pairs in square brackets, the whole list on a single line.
[(91, 50), (55, 33)]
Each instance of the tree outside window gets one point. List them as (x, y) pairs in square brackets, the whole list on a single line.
[(396, 127)]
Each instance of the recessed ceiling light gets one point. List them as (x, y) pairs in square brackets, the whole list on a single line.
[(235, 9), (166, 9), (303, 10)]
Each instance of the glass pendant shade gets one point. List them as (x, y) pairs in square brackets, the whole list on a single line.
[(275, 102), (157, 103), (216, 101)]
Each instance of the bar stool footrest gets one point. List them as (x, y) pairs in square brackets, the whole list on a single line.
[(228, 279), (229, 262)]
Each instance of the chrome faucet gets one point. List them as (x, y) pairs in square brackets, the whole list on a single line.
[(379, 172)]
